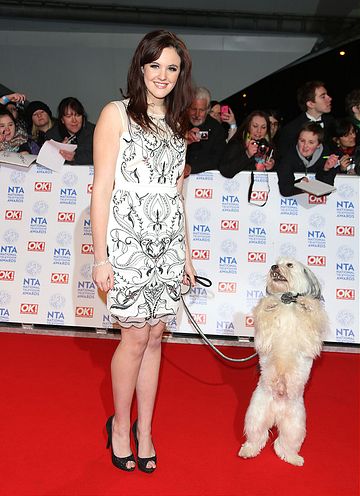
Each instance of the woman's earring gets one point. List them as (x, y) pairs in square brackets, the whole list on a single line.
[(142, 70)]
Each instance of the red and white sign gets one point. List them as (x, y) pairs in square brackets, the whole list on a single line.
[(316, 260), (345, 294), (317, 200), (229, 225), (87, 249), (227, 287), (59, 278), (84, 312), (200, 254), (29, 308), (89, 188), (259, 196), (36, 246), (7, 275), (66, 217), (345, 231), (257, 256), (288, 228), (200, 318), (249, 321), (13, 214), (204, 193), (43, 186)]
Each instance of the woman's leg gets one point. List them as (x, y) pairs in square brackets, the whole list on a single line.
[(146, 388), (125, 366)]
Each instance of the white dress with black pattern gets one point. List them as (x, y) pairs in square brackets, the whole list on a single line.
[(146, 235)]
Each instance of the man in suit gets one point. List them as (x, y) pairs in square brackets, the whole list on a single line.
[(315, 103)]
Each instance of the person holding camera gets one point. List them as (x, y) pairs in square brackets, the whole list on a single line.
[(206, 139), (250, 148)]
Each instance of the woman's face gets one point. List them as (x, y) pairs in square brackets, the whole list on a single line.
[(40, 118), (307, 143), (7, 128), (72, 120), (161, 75), (258, 127), (215, 112), (348, 140)]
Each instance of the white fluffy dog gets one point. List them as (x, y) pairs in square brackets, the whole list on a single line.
[(289, 326)]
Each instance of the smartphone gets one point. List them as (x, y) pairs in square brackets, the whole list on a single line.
[(224, 109)]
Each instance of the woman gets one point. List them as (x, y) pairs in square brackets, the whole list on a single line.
[(307, 156), (137, 220), (11, 140), (40, 120), (344, 137), (250, 148), (73, 127)]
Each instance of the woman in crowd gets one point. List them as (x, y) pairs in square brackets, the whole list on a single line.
[(275, 124), (11, 139), (307, 156), (250, 148), (73, 127), (344, 136), (137, 220), (39, 118)]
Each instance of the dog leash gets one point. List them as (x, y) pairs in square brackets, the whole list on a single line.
[(204, 281)]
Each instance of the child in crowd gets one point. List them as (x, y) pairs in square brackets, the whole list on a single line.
[(309, 155)]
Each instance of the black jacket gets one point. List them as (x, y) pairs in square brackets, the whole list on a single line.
[(290, 132), (291, 163), (84, 141), (235, 159), (206, 154)]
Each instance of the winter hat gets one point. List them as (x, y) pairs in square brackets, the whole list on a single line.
[(34, 106)]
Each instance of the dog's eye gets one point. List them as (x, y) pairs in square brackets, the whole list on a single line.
[(290, 265)]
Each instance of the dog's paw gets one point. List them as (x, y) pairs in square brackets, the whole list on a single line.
[(248, 450), (292, 458)]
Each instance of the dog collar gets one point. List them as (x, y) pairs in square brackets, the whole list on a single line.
[(288, 298)]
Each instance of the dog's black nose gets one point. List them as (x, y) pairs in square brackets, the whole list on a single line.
[(274, 267)]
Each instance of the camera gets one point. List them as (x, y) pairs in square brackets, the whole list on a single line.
[(204, 135), (264, 148)]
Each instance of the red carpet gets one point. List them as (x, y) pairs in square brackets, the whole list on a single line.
[(56, 398)]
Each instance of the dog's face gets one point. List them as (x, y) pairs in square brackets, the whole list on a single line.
[(290, 276)]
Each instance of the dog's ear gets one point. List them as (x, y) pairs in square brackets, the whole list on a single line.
[(313, 284)]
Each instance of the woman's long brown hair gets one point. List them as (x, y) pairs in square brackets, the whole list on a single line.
[(178, 100)]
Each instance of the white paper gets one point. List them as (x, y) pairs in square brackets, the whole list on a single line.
[(49, 154), (315, 187), (13, 158)]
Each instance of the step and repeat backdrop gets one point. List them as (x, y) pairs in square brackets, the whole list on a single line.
[(46, 249)]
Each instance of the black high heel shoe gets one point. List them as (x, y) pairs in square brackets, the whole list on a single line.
[(142, 462), (120, 463)]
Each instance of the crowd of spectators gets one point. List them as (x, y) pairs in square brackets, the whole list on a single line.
[(313, 142), (24, 129)]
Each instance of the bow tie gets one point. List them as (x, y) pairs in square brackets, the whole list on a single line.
[(318, 121)]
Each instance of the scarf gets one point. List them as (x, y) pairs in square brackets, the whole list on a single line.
[(313, 159)]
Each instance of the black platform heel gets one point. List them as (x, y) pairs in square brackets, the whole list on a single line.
[(142, 462), (118, 462)]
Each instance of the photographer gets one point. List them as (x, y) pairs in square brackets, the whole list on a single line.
[(250, 148), (206, 139)]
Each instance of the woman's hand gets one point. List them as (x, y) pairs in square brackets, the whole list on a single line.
[(189, 273), (103, 277), (269, 164), (228, 117), (251, 148), (344, 162), (68, 156), (15, 97), (331, 162)]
